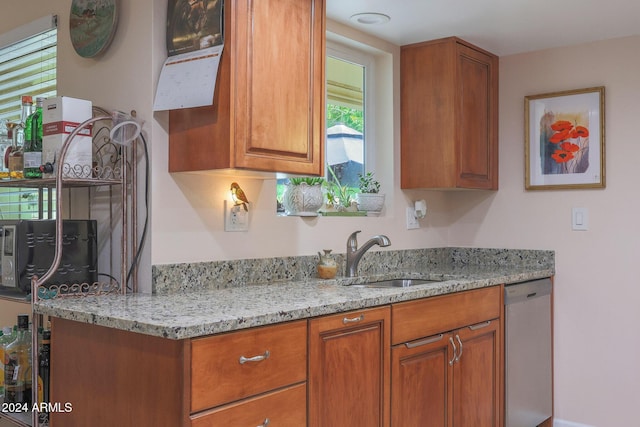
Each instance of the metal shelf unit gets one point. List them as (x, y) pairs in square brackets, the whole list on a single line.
[(116, 166)]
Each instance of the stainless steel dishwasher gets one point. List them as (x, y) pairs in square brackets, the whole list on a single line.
[(528, 374)]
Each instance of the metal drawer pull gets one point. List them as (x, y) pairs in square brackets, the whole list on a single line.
[(265, 423), (453, 344), (258, 358), (480, 325), (346, 320), (425, 341), (460, 353)]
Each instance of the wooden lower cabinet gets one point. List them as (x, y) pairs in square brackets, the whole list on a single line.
[(451, 374), (116, 378), (331, 371), (283, 408), (119, 378), (349, 369), (448, 380)]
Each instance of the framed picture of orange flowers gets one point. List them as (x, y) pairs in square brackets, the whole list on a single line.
[(564, 140)]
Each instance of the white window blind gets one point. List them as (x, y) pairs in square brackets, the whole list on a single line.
[(27, 67)]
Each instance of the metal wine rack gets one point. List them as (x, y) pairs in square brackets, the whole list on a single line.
[(114, 165)]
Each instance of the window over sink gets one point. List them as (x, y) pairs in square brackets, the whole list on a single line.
[(349, 138)]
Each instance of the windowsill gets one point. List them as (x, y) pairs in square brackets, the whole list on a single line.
[(335, 213), (358, 213)]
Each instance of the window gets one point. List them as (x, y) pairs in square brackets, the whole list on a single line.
[(349, 138), (346, 131), (27, 67)]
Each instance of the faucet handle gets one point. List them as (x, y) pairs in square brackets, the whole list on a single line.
[(352, 241)]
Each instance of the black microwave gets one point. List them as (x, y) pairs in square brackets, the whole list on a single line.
[(28, 249)]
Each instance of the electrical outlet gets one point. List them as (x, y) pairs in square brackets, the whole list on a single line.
[(412, 221), (235, 218)]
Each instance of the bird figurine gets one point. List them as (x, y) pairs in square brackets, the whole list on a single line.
[(238, 196)]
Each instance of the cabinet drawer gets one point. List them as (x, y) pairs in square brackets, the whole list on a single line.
[(429, 316), (349, 319), (221, 373), (282, 408)]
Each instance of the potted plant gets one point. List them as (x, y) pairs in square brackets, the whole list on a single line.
[(303, 196), (369, 198), (339, 197)]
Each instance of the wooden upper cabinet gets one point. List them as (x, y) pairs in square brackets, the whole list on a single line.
[(268, 111), (449, 116)]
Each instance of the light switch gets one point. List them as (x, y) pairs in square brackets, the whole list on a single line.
[(579, 219)]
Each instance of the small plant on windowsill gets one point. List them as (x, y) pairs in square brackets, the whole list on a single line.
[(339, 197), (309, 180), (368, 184), (303, 196), (369, 198)]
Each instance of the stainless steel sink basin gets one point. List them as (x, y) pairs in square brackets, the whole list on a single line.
[(394, 283)]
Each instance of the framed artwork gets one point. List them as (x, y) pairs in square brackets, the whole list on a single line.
[(564, 140)]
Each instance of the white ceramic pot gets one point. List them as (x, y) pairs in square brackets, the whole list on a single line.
[(302, 199), (370, 202)]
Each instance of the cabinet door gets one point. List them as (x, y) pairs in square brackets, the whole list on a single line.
[(420, 382), (476, 376), (449, 116), (427, 122), (476, 120), (349, 369), (279, 85)]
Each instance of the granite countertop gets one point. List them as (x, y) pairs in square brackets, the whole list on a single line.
[(182, 315)]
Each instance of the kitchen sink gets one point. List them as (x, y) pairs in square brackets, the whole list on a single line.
[(394, 283)]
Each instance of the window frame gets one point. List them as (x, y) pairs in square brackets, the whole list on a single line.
[(367, 61)]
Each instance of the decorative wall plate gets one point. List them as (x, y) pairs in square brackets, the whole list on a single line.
[(92, 24)]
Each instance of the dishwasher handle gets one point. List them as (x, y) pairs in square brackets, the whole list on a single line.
[(524, 291)]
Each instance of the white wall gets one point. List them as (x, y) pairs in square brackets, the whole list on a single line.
[(597, 286)]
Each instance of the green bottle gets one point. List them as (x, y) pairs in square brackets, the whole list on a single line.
[(33, 143)]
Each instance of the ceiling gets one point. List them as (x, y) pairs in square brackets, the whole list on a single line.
[(503, 27)]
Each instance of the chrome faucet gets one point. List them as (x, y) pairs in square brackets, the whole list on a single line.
[(354, 254)]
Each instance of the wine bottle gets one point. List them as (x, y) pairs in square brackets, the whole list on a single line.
[(17, 365), (33, 143), (43, 375), (5, 144), (16, 159)]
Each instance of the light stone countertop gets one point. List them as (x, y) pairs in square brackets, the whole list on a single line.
[(197, 313)]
